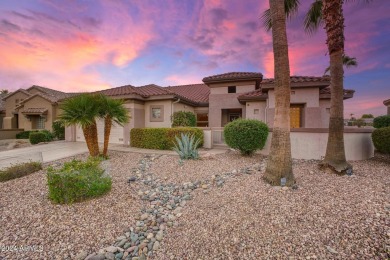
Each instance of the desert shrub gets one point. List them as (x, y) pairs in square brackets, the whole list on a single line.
[(24, 134), (19, 170), (37, 137), (58, 130), (177, 131), (381, 121), (381, 139), (187, 146), (183, 118), (161, 138), (77, 181), (246, 135)]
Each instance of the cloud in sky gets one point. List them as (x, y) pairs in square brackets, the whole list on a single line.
[(89, 45)]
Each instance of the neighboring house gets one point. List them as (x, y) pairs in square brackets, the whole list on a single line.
[(219, 100), (2, 110), (387, 103), (32, 108)]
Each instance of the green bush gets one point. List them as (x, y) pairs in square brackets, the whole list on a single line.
[(37, 137), (161, 138), (77, 181), (381, 139), (184, 119), (246, 135), (24, 134), (58, 130), (381, 121), (19, 170), (186, 146), (48, 135)]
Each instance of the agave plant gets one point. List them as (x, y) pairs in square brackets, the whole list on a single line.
[(186, 147)]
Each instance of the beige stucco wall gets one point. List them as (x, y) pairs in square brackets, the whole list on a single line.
[(37, 102), (241, 87), (10, 104), (314, 112), (220, 99), (311, 143), (167, 113), (306, 145), (182, 107), (9, 133), (250, 110)]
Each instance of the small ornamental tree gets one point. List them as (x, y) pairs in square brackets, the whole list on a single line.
[(184, 119), (246, 135)]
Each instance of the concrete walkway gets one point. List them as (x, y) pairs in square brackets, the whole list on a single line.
[(62, 149)]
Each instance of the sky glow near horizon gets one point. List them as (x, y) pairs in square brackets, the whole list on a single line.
[(91, 45)]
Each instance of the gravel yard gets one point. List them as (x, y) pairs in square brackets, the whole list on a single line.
[(233, 214), (28, 218)]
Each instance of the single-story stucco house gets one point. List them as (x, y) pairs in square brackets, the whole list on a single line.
[(217, 101), (387, 103), (32, 108)]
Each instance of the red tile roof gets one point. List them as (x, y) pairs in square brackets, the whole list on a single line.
[(256, 94), (386, 102), (153, 90), (198, 93), (233, 76), (300, 79)]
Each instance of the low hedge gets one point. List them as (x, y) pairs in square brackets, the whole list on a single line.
[(19, 170), (381, 139), (161, 138), (77, 181), (381, 121), (24, 134)]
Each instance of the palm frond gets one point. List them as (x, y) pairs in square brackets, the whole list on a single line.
[(313, 18), (290, 7)]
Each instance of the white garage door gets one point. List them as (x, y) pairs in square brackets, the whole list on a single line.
[(116, 134)]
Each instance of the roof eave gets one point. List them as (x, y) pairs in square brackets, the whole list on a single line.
[(211, 81)]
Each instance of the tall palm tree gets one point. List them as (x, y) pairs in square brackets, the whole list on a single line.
[(279, 164), (112, 111), (329, 13), (332, 14), (82, 110)]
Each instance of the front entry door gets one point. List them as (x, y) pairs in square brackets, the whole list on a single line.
[(296, 116)]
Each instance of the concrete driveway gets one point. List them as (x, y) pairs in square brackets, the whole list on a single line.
[(42, 152)]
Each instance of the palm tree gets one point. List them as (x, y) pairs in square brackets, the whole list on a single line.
[(82, 110), (332, 14), (111, 110), (279, 164), (329, 13)]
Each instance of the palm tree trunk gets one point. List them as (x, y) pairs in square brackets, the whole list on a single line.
[(279, 160), (107, 130), (335, 159), (95, 144), (88, 139)]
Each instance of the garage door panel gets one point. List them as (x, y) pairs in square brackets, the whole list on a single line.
[(116, 134)]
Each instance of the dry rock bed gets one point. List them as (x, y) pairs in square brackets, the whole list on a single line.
[(214, 208)]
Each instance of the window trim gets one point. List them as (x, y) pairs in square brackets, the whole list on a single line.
[(161, 118)]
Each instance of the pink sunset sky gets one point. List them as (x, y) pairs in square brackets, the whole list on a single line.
[(92, 45)]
